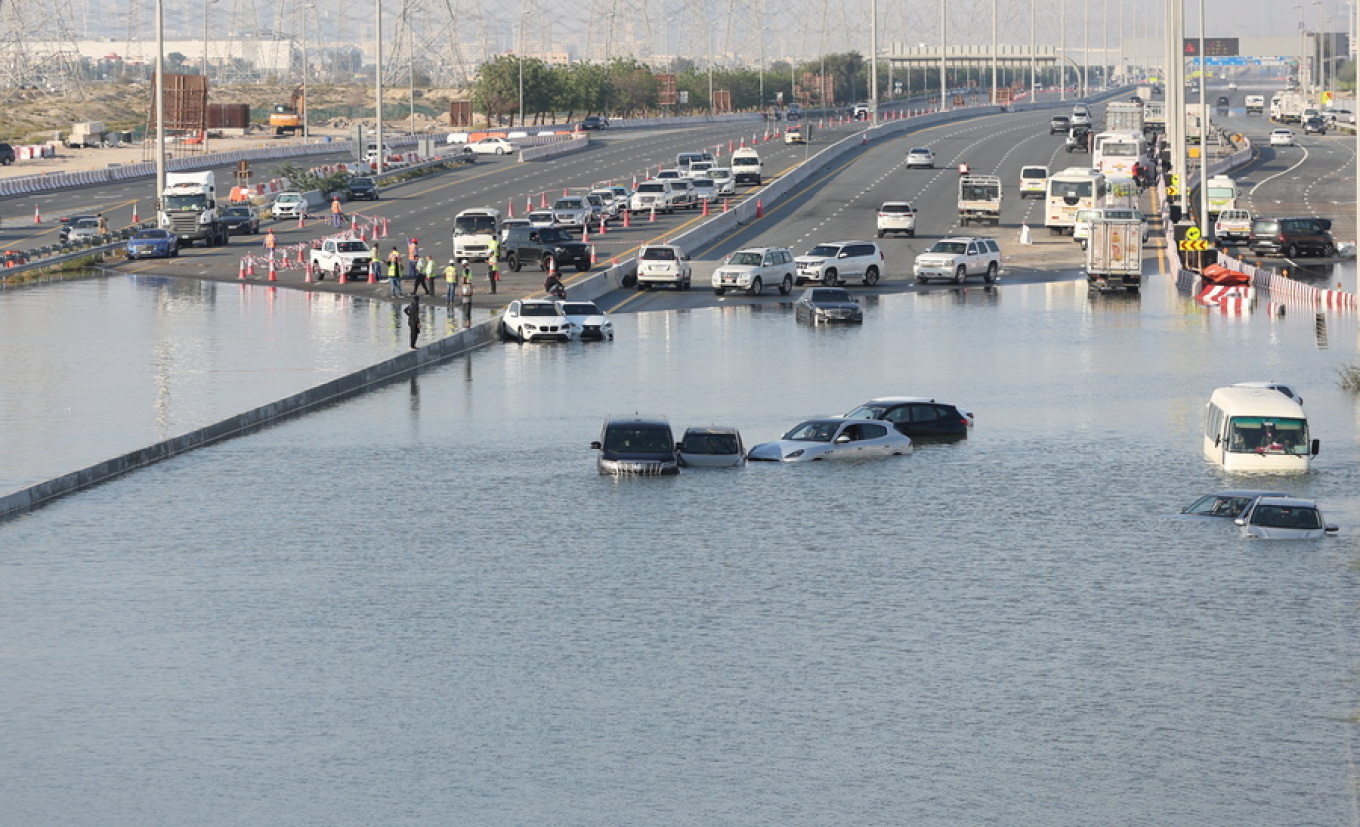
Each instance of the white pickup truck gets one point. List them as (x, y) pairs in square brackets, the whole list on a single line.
[(955, 259), (1233, 225), (341, 255)]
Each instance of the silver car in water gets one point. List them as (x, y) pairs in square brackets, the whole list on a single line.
[(1283, 518), (834, 438)]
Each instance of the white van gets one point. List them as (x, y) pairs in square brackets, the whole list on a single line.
[(1221, 193), (746, 167), (1257, 429), (1033, 181), (473, 232)]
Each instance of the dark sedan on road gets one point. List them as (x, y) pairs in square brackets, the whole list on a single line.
[(593, 123), (153, 243), (365, 189), (241, 220)]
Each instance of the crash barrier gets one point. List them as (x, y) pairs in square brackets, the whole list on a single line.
[(1290, 291), (563, 145), (321, 396)]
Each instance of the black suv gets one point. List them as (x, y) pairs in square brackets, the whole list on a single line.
[(1060, 123), (1292, 237), (1314, 126), (594, 122), (361, 188), (538, 244), (6, 154), (916, 417)]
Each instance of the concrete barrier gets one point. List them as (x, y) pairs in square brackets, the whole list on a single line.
[(311, 399)]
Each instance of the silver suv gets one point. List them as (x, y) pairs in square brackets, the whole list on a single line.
[(754, 268), (571, 211), (955, 259), (835, 262)]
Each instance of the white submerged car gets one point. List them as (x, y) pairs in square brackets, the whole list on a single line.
[(587, 320), (1283, 518), (834, 438)]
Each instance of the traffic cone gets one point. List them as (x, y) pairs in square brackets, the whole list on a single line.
[(726, 204), (307, 269), (653, 218), (241, 271), (634, 182), (135, 219), (565, 192), (372, 276), (604, 225), (729, 148), (528, 204), (273, 276), (37, 216), (344, 275), (760, 208), (542, 200), (705, 206), (250, 266), (626, 220), (594, 260), (302, 259), (387, 227), (509, 209), (585, 233), (302, 220)]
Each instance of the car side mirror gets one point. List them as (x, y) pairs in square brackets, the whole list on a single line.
[(842, 439), (596, 445), (1314, 447), (679, 446), (1330, 529), (1240, 521)]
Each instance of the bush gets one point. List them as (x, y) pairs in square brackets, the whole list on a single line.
[(1350, 377)]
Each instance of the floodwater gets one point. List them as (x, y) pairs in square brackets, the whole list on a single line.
[(425, 605)]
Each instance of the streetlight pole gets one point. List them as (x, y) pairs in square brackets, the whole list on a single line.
[(160, 105), (1062, 49), (873, 62), (944, 59), (1085, 47), (994, 94), (377, 75), (519, 50), (206, 4)]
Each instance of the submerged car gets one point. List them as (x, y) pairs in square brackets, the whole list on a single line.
[(641, 445), (915, 416), (529, 320), (1283, 518), (1229, 504), (587, 320), (153, 243), (711, 447), (827, 304), (834, 438)]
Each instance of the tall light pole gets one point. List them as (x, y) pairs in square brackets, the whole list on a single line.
[(519, 50), (994, 95), (944, 59), (306, 69), (873, 61), (410, 62), (377, 76), (206, 4), (1033, 58), (1062, 49), (1085, 47), (160, 104)]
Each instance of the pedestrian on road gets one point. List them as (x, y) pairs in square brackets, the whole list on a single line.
[(427, 272), (337, 213), (412, 312), (450, 279), (103, 224), (492, 274), (494, 250), (412, 247), (413, 272), (465, 290), (270, 242), (394, 273), (467, 268)]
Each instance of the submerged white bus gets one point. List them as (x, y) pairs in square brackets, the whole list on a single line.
[(1257, 429), (1075, 188), (1115, 153)]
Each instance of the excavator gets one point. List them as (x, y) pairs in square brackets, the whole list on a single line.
[(286, 119)]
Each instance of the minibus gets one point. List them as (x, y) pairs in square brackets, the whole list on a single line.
[(1257, 429)]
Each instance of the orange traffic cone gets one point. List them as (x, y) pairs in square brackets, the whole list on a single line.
[(594, 260), (302, 220), (760, 208), (37, 216), (241, 271), (705, 206), (653, 218), (372, 275), (509, 209), (626, 220), (344, 275), (273, 276), (604, 225), (308, 271), (726, 202), (528, 204), (585, 233), (135, 219), (250, 266), (542, 200)]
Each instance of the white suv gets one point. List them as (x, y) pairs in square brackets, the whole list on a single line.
[(571, 211), (835, 262), (663, 264), (896, 217), (754, 268), (955, 259), (655, 194)]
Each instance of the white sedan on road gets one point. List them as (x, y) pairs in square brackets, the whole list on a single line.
[(493, 146), (1282, 137)]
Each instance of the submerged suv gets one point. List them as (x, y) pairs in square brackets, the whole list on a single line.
[(835, 262), (1292, 237), (535, 245), (916, 417), (753, 269), (643, 445)]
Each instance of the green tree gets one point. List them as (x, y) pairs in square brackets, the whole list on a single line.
[(634, 87), (496, 89)]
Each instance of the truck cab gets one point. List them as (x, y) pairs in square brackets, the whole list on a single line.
[(747, 167)]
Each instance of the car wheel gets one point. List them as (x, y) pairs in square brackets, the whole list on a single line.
[(960, 274), (880, 233), (921, 280), (829, 278), (1328, 249), (991, 273), (718, 291), (500, 150), (512, 261), (684, 283), (786, 286), (756, 287), (871, 277), (1292, 251), (641, 286)]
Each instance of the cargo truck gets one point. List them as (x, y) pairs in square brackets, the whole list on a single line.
[(1114, 254), (1123, 116), (979, 199), (190, 210)]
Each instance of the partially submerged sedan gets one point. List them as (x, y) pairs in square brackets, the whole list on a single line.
[(834, 438), (153, 243), (1283, 518), (1226, 504), (715, 446), (827, 304), (587, 320)]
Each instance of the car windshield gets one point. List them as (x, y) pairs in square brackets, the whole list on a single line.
[(361, 182), (952, 247), (745, 259), (581, 309), (1265, 227), (540, 216), (824, 250), (647, 439), (658, 254), (815, 431), (1070, 189), (553, 234), (1286, 516), (241, 211), (87, 223), (1260, 435), (830, 295), (868, 412), (152, 234), (1222, 192), (702, 183), (651, 188), (895, 208), (719, 174), (351, 247), (712, 444), (567, 204), (1030, 172), (1219, 505), (538, 310)]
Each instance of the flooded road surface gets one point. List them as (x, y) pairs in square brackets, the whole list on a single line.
[(426, 601)]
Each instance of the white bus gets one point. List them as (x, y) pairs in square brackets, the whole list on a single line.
[(1115, 153), (1257, 429), (1075, 188), (473, 232)]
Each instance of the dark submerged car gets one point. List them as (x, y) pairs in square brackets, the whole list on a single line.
[(827, 304)]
